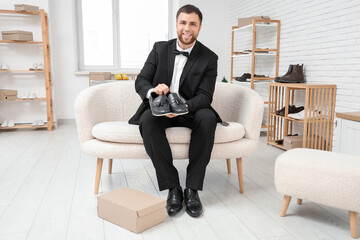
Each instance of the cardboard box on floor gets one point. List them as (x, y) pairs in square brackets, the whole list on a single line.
[(8, 94), (246, 21), (291, 142), (131, 209), (99, 75), (17, 35)]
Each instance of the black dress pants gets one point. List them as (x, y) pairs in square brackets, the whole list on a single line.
[(202, 123)]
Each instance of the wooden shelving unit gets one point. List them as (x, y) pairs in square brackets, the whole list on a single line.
[(256, 52), (256, 25), (318, 118), (47, 69)]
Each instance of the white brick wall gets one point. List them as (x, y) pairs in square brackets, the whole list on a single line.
[(323, 35)]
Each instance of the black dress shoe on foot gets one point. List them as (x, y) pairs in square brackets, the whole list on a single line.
[(159, 105), (174, 201), (177, 106), (192, 202)]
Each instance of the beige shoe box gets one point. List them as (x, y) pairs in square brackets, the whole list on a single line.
[(8, 94), (17, 35), (246, 21), (132, 209), (25, 7), (100, 76), (291, 142)]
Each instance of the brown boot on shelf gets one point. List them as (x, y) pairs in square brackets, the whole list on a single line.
[(296, 75), (286, 74)]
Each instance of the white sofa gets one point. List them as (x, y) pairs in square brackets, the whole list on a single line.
[(102, 114)]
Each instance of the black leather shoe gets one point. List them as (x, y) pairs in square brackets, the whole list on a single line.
[(174, 201), (159, 105), (177, 106), (192, 202), (292, 109)]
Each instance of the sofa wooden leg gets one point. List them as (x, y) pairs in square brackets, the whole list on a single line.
[(240, 174), (299, 201), (110, 166), (98, 174), (285, 205), (354, 224), (228, 162)]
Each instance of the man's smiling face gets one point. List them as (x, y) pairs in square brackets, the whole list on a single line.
[(188, 26)]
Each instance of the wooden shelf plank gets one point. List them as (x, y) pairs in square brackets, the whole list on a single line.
[(353, 116), (23, 126), (20, 99), (19, 12), (21, 71), (264, 78), (277, 145), (12, 41)]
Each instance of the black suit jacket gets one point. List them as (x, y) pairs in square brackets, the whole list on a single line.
[(197, 82)]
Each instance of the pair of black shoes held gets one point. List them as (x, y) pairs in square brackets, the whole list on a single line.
[(175, 199), (162, 105)]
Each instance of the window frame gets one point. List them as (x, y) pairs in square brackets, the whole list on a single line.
[(80, 66)]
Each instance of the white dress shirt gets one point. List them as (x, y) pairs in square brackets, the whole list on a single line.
[(179, 63)]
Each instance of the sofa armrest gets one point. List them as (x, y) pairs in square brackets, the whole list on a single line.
[(88, 112), (251, 114)]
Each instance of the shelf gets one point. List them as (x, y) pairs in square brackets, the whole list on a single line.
[(23, 125), (22, 71), (319, 104), (264, 78), (44, 43), (12, 41), (256, 54), (20, 99), (277, 145), (260, 25), (19, 12)]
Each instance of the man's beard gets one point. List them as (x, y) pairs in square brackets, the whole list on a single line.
[(192, 40)]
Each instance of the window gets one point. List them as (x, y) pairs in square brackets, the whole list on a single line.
[(119, 34)]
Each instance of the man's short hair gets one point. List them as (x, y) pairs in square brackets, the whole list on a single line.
[(189, 9)]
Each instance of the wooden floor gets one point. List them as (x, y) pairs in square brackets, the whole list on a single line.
[(46, 192)]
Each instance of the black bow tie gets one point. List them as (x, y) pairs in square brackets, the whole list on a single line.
[(177, 52)]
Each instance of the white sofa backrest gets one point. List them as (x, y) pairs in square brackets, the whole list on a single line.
[(118, 101)]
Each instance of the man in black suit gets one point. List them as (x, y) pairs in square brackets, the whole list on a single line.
[(193, 78)]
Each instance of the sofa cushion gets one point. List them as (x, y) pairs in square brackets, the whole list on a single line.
[(123, 132)]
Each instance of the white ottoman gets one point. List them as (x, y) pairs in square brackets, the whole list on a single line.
[(327, 178)]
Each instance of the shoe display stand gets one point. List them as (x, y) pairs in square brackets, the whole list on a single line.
[(258, 26), (319, 105), (264, 38), (48, 86)]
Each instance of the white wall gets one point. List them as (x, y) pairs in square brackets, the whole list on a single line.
[(67, 85), (215, 28), (324, 35)]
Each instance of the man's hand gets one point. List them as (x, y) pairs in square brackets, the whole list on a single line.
[(161, 89), (170, 115)]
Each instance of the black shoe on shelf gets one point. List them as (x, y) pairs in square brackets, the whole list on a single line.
[(177, 106), (159, 104), (292, 109), (243, 77), (174, 202), (192, 202)]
